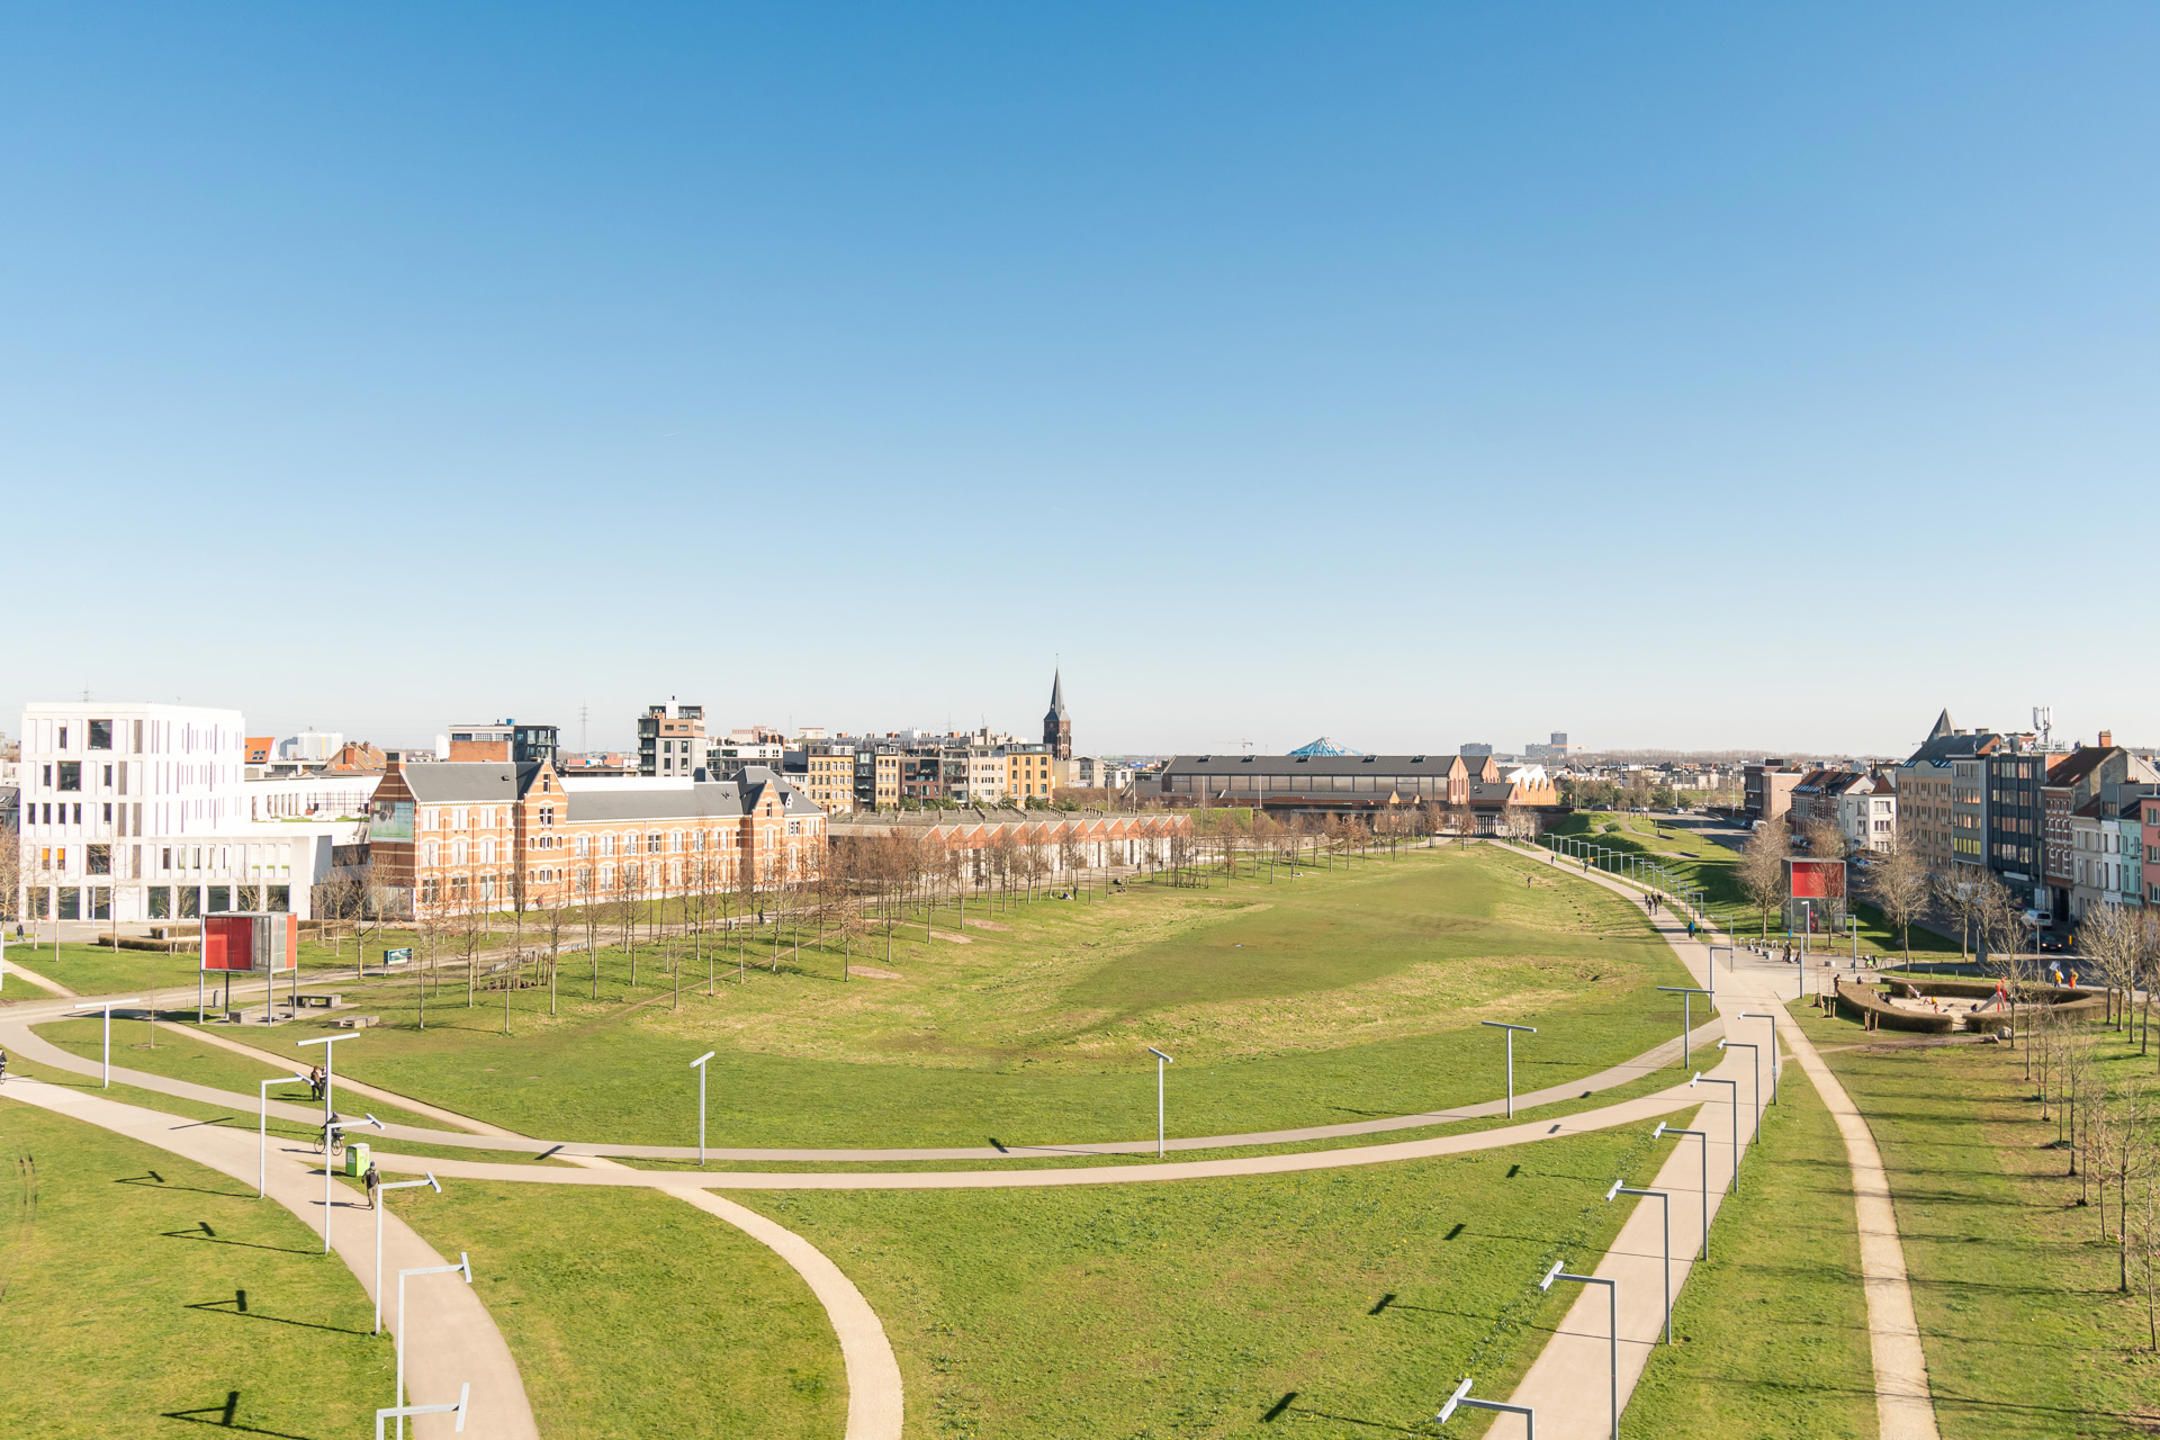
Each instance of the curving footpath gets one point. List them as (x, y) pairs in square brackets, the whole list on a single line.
[(1580, 1346), (453, 1339), (1554, 1383)]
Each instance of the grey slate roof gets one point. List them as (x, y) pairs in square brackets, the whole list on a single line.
[(452, 782), (701, 800), (1295, 765)]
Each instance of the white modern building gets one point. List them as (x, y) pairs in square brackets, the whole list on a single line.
[(135, 812), (325, 797)]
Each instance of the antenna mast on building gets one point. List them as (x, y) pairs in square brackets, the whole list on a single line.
[(2044, 722), (584, 727)]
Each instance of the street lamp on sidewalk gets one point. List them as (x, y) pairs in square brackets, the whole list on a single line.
[(699, 1066), (262, 1129), (1702, 1079), (459, 1409), (1510, 1029), (1702, 1138), (1687, 994), (108, 1006), (1756, 1051), (463, 1267), (1462, 1396), (1665, 1201), (330, 1132), (1161, 1061), (381, 1205), (329, 1055), (1775, 1068), (1612, 1311)]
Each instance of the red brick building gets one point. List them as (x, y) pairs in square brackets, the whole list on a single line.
[(453, 838)]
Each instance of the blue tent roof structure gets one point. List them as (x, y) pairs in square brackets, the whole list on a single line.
[(1324, 746)]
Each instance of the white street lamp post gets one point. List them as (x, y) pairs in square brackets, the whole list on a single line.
[(330, 1133), (1756, 1051), (463, 1267), (1161, 1062), (1510, 1029), (1462, 1396), (1665, 1201), (1612, 1310), (329, 1055), (381, 1205), (1702, 1138), (262, 1130), (1687, 994), (699, 1066), (108, 1006), (1770, 1016), (460, 1409), (1702, 1079)]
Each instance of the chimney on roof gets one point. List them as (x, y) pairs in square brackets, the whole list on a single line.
[(2107, 739)]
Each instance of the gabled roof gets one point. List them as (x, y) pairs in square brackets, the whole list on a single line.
[(453, 781), (1944, 725), (1290, 766), (2079, 765), (1939, 749)]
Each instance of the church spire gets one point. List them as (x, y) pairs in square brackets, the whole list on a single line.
[(1057, 725)]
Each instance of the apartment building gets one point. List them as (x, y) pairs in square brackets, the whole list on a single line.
[(2072, 782), (1925, 790), (2107, 850), (1030, 774), (671, 741), (139, 812), (457, 837), (828, 777)]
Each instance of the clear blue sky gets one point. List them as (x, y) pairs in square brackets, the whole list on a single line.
[(1696, 374)]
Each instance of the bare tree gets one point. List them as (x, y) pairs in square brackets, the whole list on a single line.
[(1956, 894), (1898, 884), (2115, 939), (554, 900), (1762, 870), (10, 873), (1823, 839)]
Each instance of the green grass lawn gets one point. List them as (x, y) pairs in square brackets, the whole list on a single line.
[(1698, 861), (2026, 1335), (1332, 1303), (102, 970), (1770, 1336), (634, 1314), (141, 1294), (1340, 995)]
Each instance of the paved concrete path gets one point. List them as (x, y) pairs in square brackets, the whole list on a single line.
[(34, 980), (1581, 1347), (16, 1034), (452, 1339)]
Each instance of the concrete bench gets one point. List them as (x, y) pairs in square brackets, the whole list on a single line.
[(356, 1022), (322, 1002)]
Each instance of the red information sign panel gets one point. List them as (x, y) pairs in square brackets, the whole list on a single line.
[(250, 941), (1817, 879)]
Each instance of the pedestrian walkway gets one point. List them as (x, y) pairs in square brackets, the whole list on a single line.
[(1554, 1385), (451, 1339)]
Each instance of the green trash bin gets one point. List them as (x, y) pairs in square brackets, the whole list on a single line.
[(356, 1158)]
